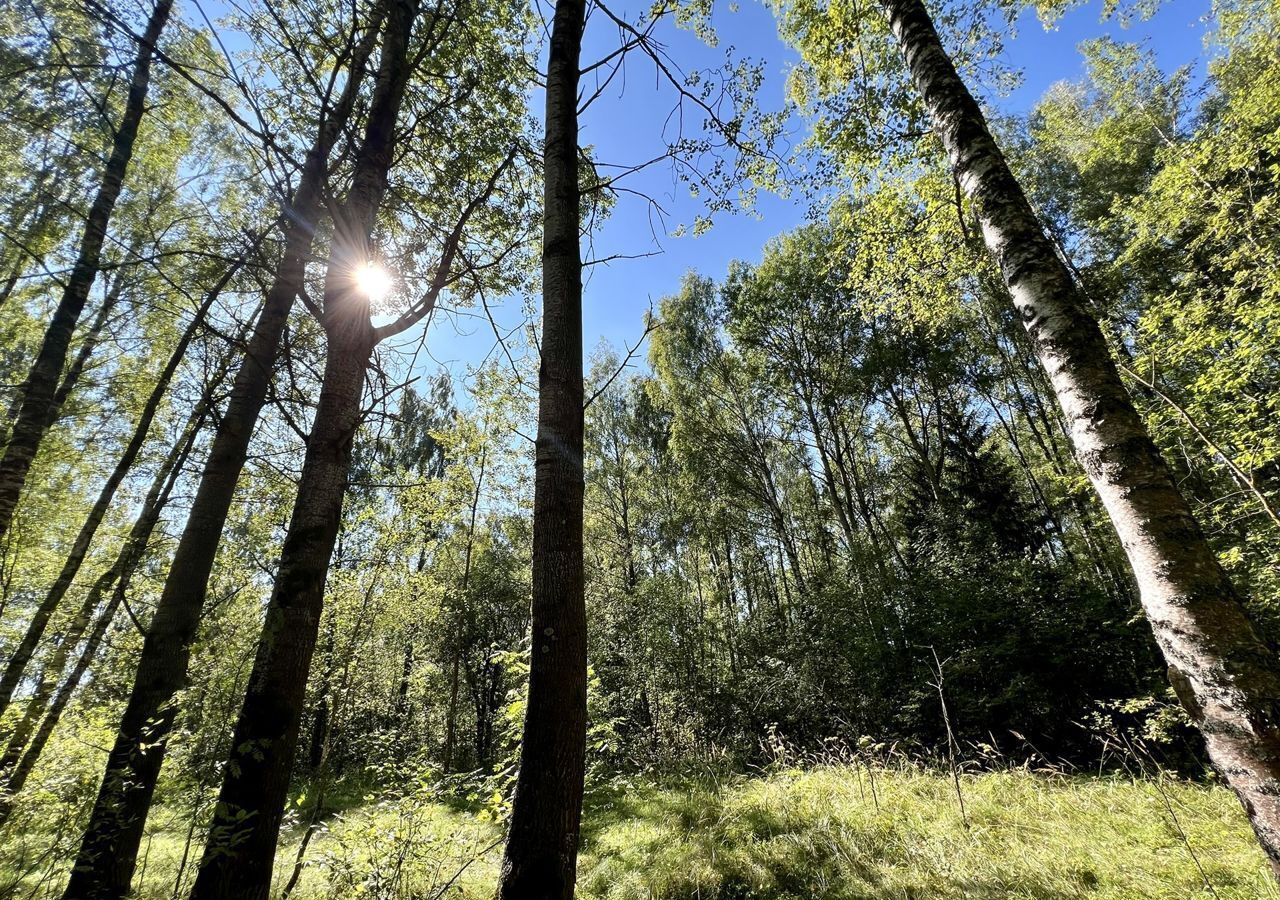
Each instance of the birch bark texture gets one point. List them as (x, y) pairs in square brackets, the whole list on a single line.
[(1223, 673), (540, 859)]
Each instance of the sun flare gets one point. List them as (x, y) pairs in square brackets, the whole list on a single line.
[(373, 281)]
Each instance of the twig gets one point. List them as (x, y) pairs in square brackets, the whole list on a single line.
[(951, 738)]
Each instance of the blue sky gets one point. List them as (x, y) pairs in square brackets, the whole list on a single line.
[(623, 126)]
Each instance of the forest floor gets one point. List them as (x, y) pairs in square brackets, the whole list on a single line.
[(821, 832)]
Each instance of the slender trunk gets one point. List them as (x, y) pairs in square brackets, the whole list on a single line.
[(451, 714), (40, 210), (1223, 673), (37, 410), (240, 851), (541, 855), (119, 575), (17, 664), (109, 849), (451, 720), (87, 345), (402, 709), (320, 710), (6, 290), (404, 705)]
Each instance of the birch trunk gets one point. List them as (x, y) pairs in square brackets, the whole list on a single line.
[(1226, 677), (540, 859)]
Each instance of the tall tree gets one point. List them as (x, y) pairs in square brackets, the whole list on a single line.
[(16, 667), (236, 863), (541, 854), (240, 852), (36, 410), (108, 851), (1226, 677), (45, 707)]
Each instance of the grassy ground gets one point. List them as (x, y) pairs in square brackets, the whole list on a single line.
[(822, 832)]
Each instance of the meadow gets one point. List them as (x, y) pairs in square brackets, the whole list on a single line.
[(846, 832)]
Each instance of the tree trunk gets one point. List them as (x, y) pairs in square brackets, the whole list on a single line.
[(240, 850), (109, 849), (37, 407), (463, 595), (40, 210), (90, 343), (451, 710), (403, 710), (87, 346), (541, 855), (17, 664), (1223, 673), (120, 575), (242, 840)]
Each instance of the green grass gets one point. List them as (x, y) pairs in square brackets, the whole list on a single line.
[(813, 833), (821, 833)]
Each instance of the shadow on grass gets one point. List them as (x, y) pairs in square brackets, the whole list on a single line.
[(692, 841)]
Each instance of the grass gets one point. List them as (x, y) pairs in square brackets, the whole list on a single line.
[(819, 832)]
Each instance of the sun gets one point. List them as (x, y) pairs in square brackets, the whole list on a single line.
[(373, 281)]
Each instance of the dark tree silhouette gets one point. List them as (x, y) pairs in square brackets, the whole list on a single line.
[(541, 855), (38, 406)]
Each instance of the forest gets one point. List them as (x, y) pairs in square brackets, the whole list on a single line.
[(388, 511)]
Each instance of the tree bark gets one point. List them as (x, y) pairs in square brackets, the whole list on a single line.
[(1223, 673), (109, 849), (37, 409), (22, 654), (541, 855), (451, 719), (241, 846), (113, 291), (240, 850)]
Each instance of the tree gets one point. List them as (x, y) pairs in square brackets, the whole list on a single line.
[(37, 409), (1225, 676), (541, 853), (1163, 207), (21, 655), (239, 854), (108, 851), (45, 706)]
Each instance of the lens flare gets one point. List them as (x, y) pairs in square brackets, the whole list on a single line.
[(373, 281)]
